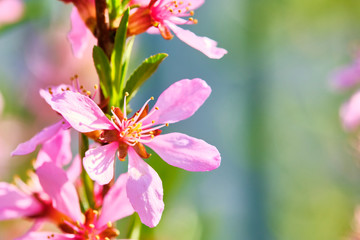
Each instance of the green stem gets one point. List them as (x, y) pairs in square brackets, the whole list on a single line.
[(135, 228), (88, 183)]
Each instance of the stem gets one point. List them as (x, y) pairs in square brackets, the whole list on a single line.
[(88, 183), (103, 33)]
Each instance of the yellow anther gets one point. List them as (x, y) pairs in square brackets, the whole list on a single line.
[(68, 88), (62, 89), (152, 98), (91, 225), (88, 93), (78, 223), (152, 136), (191, 19), (106, 238), (195, 21), (167, 124), (117, 232), (96, 212), (176, 5), (151, 132), (125, 119), (137, 114), (109, 224), (170, 10), (153, 121), (133, 120), (97, 237), (189, 4), (84, 91), (96, 86), (81, 87), (181, 2), (126, 94), (192, 13), (156, 108), (112, 108), (76, 76)]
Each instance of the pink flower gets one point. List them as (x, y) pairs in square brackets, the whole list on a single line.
[(11, 11), (350, 112), (348, 76), (56, 134), (63, 209), (83, 24), (163, 16), (127, 136)]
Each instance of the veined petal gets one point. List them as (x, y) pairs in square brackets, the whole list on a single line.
[(41, 137), (180, 101), (350, 112), (79, 36), (81, 112), (46, 236), (186, 152), (62, 192), (99, 163), (204, 44), (56, 150), (47, 96), (15, 204), (144, 189), (116, 204)]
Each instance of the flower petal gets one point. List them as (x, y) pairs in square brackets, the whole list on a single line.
[(41, 137), (81, 112), (99, 163), (180, 101), (116, 204), (186, 152), (79, 36), (74, 171), (350, 112), (47, 236), (205, 45), (145, 191), (62, 192), (56, 150), (15, 204), (47, 96)]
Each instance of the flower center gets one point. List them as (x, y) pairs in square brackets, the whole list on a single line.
[(164, 10)]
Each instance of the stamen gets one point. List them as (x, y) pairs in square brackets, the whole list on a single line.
[(109, 224), (125, 116), (97, 237), (91, 225)]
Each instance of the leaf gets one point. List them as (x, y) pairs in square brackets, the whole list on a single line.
[(118, 53), (142, 73), (103, 70)]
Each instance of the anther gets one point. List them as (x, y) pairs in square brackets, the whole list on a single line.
[(191, 19), (153, 121), (106, 238), (126, 94), (88, 93), (125, 119), (95, 212), (97, 237), (195, 21), (91, 225), (81, 87), (152, 98), (78, 223), (179, 11), (109, 224), (181, 2), (62, 89), (167, 124), (96, 86), (152, 136), (76, 76), (156, 108), (68, 89), (192, 13), (170, 10)]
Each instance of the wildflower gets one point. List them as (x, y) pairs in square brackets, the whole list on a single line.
[(58, 132), (63, 209), (350, 112), (163, 16), (348, 76), (127, 136)]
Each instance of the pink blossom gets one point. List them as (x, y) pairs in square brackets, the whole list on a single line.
[(163, 16), (348, 76), (127, 136), (11, 11), (75, 225), (56, 134), (350, 112)]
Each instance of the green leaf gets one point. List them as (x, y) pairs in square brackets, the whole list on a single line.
[(118, 53), (142, 73), (114, 9), (103, 70)]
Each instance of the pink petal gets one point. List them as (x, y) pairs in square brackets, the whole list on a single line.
[(153, 30), (11, 11), (205, 45), (116, 204), (99, 163), (16, 204), (186, 152), (350, 112), (80, 111), (62, 192), (47, 96), (79, 36), (180, 101), (47, 236), (144, 189), (74, 171), (56, 150), (41, 137), (142, 3)]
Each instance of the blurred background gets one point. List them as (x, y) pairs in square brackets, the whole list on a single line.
[(289, 170)]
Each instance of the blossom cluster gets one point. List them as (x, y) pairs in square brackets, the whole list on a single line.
[(81, 194)]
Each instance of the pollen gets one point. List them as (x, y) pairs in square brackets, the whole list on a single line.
[(192, 13), (96, 87), (195, 21), (167, 124), (153, 121), (156, 108), (91, 225), (97, 237), (126, 94), (109, 224), (152, 98)]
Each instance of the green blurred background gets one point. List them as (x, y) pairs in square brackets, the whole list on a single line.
[(289, 170)]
